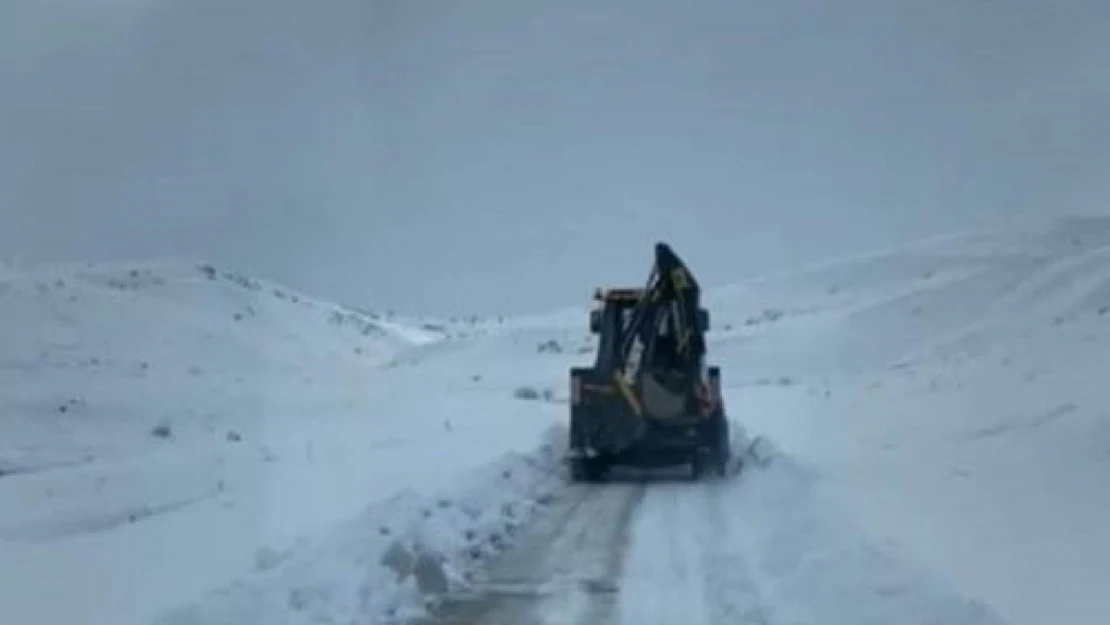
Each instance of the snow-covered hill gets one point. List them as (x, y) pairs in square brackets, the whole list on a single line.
[(165, 429), (98, 357), (954, 398), (184, 445)]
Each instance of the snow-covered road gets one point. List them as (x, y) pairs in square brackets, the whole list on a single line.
[(563, 570), (761, 549)]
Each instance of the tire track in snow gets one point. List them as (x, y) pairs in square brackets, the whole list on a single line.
[(768, 549), (663, 580), (685, 566), (736, 598), (562, 571)]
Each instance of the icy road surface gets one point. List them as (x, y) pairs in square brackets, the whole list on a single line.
[(757, 550)]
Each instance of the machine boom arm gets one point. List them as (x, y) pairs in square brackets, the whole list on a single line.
[(670, 301)]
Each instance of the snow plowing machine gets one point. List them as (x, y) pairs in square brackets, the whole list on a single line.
[(649, 400)]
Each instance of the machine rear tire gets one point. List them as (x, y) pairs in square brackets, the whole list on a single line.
[(708, 463), (589, 470), (697, 466), (721, 466)]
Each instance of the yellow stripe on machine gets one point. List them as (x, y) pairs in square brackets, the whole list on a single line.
[(629, 396)]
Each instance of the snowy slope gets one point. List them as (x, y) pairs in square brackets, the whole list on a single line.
[(169, 428), (98, 346), (953, 398)]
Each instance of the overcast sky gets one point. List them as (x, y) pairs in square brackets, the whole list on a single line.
[(507, 156)]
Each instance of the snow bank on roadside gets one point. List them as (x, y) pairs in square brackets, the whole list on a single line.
[(391, 562)]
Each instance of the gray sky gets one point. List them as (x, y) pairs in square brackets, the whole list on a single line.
[(506, 156)]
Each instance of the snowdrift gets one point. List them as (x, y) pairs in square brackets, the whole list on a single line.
[(397, 556)]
